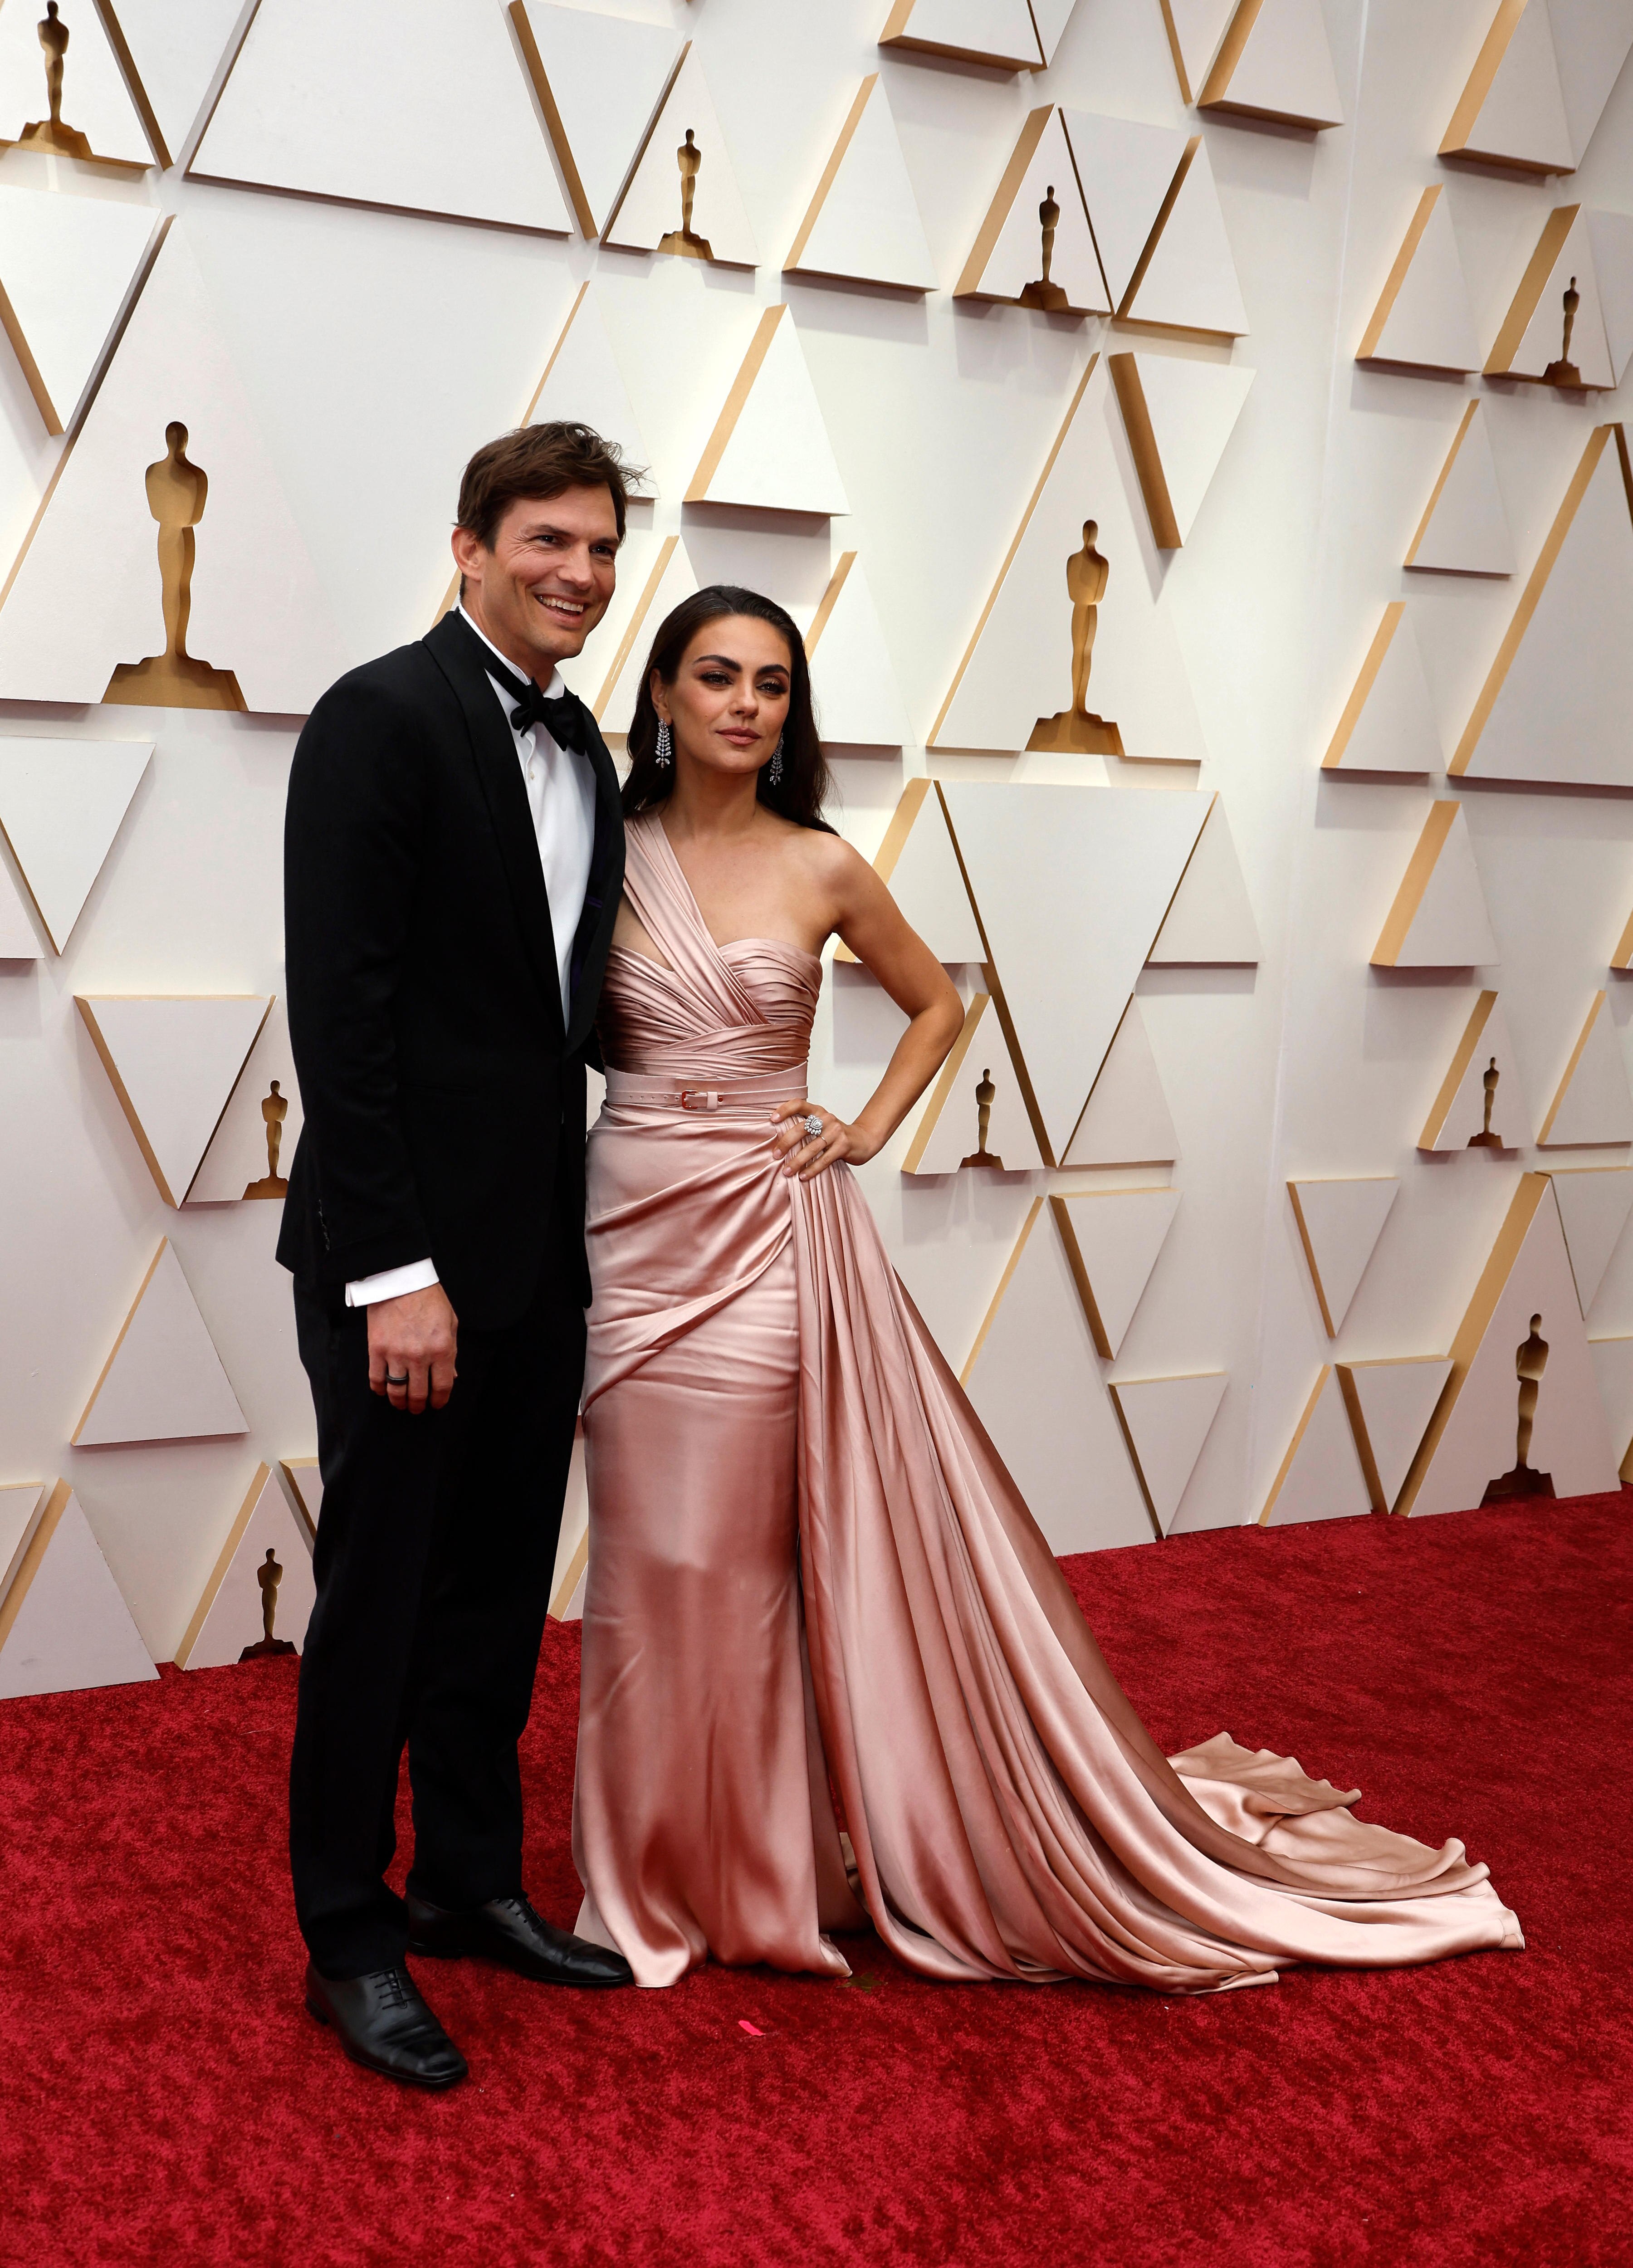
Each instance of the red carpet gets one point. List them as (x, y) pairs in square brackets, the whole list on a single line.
[(165, 2098)]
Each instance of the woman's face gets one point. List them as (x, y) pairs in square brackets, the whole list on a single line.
[(729, 701)]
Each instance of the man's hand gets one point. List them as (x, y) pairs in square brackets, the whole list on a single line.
[(412, 1343)]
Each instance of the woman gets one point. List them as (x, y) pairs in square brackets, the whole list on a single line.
[(812, 1582)]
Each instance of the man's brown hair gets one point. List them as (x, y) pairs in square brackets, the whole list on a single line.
[(540, 460)]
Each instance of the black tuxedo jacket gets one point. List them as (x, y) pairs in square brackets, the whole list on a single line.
[(442, 1094)]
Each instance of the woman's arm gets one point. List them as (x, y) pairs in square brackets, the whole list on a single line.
[(867, 917)]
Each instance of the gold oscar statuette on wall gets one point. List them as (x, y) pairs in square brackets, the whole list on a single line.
[(176, 495), (1077, 729), (1564, 371), (1530, 1361), (49, 132), (1486, 1139), (1042, 292), (986, 1095), (689, 159), (274, 1110), (269, 1575)]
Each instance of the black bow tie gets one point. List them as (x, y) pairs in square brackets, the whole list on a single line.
[(563, 715)]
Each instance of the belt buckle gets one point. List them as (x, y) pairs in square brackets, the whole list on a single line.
[(700, 1098)]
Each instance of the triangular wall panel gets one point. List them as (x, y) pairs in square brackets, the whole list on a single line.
[(1591, 42), (172, 51), (172, 1062), (1072, 885), (1195, 29), (1423, 318), (947, 1137), (918, 860), (1014, 686), (863, 223), (422, 105), (1179, 416), (259, 613), (229, 1616), (1210, 923), (1464, 529), (1473, 1438), (1165, 1422), (62, 803), (238, 1164), (1340, 1222), (163, 1380), (1512, 111), (1388, 722), (669, 580), (1186, 279), (64, 1627), (1533, 341), (1594, 1203), (598, 79), (1006, 258), (305, 1478), (1035, 1386), (1457, 1118), (61, 336), (1438, 919), (769, 448), (582, 380), (1275, 62), (22, 1508), (102, 121), (1557, 698), (1390, 1405), (1126, 170), (999, 31), (1112, 1240), (1592, 1103), (649, 213), (1126, 1120), (853, 680), (1319, 1476)]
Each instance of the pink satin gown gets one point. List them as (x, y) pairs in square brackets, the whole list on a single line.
[(813, 1583)]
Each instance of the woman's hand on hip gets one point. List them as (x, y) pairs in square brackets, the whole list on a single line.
[(806, 1153)]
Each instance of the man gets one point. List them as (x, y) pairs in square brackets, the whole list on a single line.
[(453, 856)]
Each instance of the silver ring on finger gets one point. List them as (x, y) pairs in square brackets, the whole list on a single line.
[(812, 1124)]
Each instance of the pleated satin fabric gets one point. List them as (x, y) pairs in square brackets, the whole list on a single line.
[(815, 1597)]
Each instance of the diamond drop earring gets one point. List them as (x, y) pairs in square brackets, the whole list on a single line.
[(775, 773), (666, 745)]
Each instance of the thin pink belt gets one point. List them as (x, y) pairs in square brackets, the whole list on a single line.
[(763, 1093)]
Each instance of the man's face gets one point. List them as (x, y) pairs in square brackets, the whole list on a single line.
[(547, 580)]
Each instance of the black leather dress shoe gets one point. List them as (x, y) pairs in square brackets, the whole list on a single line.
[(384, 2025), (507, 1930)]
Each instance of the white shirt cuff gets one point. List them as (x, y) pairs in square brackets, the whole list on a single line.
[(392, 1283)]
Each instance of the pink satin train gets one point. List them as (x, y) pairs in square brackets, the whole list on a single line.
[(813, 1583)]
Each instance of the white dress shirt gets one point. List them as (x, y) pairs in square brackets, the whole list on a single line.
[(561, 795)]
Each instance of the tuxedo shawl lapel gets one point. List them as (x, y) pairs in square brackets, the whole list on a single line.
[(595, 938), (457, 653)]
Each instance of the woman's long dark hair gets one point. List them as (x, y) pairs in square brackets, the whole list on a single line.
[(807, 783)]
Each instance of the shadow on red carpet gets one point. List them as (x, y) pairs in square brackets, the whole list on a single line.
[(166, 2099)]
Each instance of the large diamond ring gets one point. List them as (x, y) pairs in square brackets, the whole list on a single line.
[(812, 1125)]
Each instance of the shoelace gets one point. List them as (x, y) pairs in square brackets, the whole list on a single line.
[(397, 1991)]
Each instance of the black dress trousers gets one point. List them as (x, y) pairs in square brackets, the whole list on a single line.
[(436, 1548)]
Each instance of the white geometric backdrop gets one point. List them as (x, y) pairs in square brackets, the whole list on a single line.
[(1353, 828)]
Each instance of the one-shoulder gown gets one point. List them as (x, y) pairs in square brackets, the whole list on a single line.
[(829, 1661)]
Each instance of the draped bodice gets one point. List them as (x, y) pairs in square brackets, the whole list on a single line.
[(706, 1011)]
